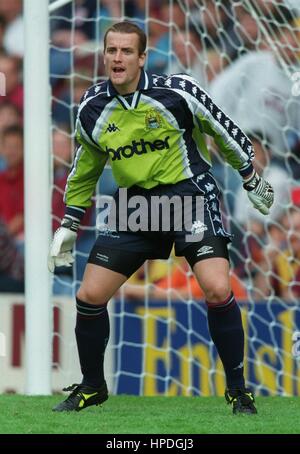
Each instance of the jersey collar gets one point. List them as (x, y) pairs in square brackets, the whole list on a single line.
[(145, 83)]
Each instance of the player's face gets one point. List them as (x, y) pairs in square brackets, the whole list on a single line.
[(122, 61)]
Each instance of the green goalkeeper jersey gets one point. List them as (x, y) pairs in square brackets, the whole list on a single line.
[(151, 137)]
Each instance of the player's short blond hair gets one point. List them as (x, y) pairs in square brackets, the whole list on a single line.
[(128, 27)]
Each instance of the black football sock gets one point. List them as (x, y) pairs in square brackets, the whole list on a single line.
[(226, 330), (92, 334)]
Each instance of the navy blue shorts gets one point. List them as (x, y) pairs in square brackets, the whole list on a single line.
[(155, 238)]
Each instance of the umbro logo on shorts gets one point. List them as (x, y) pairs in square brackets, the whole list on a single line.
[(102, 257), (205, 250), (112, 128)]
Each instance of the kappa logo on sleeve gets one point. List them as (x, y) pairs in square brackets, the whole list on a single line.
[(112, 127)]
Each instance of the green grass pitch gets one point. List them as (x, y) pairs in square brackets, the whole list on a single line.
[(148, 415)]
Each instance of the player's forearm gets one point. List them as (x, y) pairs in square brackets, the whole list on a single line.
[(238, 157), (80, 189), (87, 167)]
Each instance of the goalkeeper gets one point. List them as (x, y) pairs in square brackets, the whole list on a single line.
[(152, 131)]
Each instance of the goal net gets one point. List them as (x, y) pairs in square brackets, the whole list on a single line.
[(246, 55)]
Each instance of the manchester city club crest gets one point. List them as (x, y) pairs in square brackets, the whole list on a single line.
[(153, 119)]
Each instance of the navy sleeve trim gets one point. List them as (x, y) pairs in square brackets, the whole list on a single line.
[(247, 170), (76, 212)]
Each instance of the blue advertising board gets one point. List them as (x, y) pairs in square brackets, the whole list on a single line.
[(164, 348)]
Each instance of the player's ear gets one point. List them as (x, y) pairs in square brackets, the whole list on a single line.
[(142, 59), (104, 57)]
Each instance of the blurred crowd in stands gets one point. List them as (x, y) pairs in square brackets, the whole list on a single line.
[(243, 57)]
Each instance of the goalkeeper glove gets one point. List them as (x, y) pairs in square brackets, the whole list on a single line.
[(260, 193), (63, 241)]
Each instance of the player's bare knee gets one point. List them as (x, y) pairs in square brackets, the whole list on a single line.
[(89, 296), (217, 292)]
